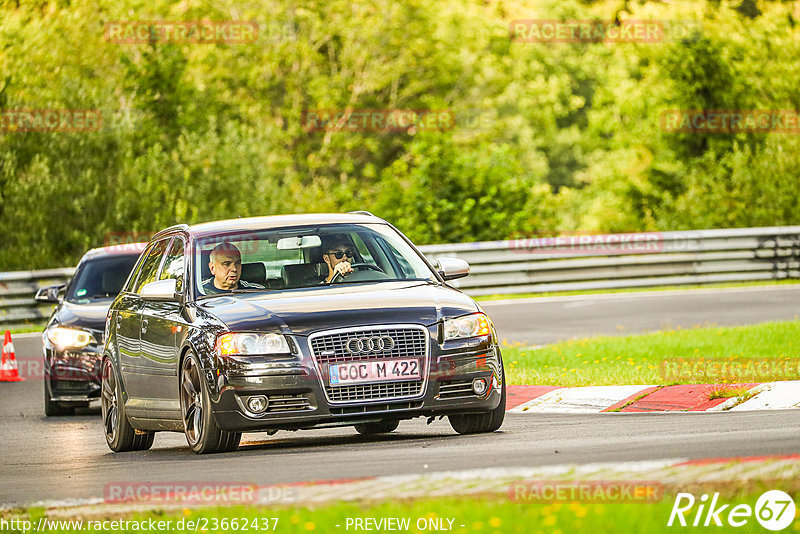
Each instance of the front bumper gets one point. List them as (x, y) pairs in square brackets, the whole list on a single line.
[(297, 397), (73, 375)]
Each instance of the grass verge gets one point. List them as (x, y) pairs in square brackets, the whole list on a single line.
[(25, 329), (632, 290), (637, 359), (498, 514), (724, 392)]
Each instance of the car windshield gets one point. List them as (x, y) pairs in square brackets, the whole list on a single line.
[(100, 278), (289, 258)]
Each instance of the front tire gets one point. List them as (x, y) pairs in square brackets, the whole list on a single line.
[(200, 428), (120, 435), (383, 427), (482, 422)]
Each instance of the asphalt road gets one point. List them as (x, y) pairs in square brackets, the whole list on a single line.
[(67, 458)]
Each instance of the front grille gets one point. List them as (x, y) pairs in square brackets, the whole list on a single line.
[(456, 388), (369, 408), (71, 385), (409, 342), (288, 403), (382, 390)]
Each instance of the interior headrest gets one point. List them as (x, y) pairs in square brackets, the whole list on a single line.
[(254, 272), (299, 274)]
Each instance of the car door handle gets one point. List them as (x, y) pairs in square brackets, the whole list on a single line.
[(144, 326)]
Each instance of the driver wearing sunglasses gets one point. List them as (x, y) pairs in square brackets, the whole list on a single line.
[(338, 255)]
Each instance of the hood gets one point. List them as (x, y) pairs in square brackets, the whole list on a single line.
[(90, 316), (305, 311)]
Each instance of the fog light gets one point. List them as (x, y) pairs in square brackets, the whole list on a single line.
[(257, 404), (479, 386), (495, 384)]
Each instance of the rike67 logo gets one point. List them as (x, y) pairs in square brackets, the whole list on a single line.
[(774, 510)]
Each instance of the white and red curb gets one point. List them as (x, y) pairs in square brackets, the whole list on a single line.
[(648, 398)]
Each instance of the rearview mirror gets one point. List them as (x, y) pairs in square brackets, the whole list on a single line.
[(301, 241), (161, 290), (48, 294), (452, 268)]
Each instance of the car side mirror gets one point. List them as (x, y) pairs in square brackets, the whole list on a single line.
[(161, 290), (48, 294), (452, 268)]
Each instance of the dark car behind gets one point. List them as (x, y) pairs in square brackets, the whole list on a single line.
[(73, 338)]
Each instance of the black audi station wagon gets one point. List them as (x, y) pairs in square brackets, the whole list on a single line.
[(293, 322)]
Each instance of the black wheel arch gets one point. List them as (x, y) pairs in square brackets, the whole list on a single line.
[(108, 355)]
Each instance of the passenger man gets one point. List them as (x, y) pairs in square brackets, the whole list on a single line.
[(225, 263)]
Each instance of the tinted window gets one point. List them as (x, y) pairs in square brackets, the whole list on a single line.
[(382, 252), (137, 269), (100, 278), (173, 265), (150, 265)]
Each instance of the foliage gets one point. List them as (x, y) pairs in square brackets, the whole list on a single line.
[(547, 136), (712, 355)]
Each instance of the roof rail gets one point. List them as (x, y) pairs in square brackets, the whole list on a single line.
[(361, 212), (181, 226)]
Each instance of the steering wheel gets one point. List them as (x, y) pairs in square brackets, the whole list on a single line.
[(359, 265)]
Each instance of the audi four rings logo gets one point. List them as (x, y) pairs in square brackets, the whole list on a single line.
[(356, 345)]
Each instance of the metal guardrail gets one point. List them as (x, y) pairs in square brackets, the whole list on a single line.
[(588, 262), (545, 264), (17, 289)]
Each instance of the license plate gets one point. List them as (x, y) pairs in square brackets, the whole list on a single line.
[(374, 371)]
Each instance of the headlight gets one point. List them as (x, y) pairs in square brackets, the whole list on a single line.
[(69, 338), (249, 344), (473, 325)]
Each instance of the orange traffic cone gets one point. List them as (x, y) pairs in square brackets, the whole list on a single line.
[(8, 362)]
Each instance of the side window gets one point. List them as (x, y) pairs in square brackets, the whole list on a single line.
[(173, 265), (131, 283), (150, 265)]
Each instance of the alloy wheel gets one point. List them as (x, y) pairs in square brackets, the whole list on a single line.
[(192, 401), (109, 401)]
